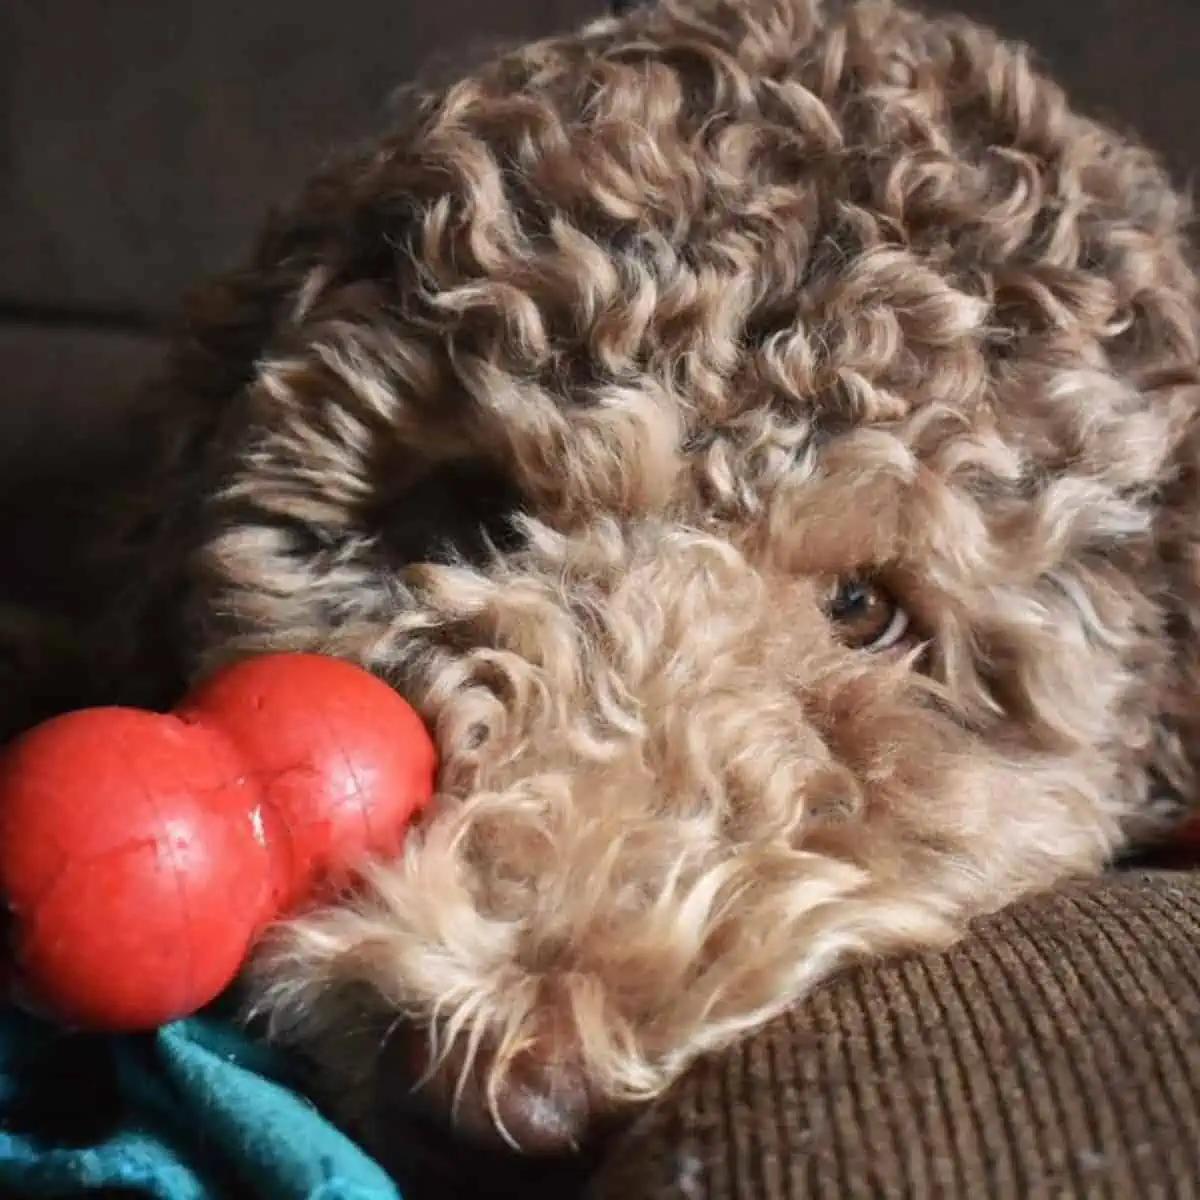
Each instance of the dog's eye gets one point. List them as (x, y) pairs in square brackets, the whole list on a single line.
[(866, 616)]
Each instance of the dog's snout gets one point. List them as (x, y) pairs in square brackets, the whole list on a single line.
[(538, 1103)]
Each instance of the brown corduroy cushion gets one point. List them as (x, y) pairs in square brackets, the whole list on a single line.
[(1054, 1053)]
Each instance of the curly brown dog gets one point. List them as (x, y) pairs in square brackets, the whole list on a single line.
[(762, 442)]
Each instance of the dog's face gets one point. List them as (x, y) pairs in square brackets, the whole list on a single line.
[(738, 437)]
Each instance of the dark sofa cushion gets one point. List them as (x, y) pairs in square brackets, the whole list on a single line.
[(1055, 1052)]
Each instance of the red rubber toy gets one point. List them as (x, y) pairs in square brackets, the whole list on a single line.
[(141, 853)]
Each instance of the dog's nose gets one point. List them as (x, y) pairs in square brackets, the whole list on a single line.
[(539, 1104)]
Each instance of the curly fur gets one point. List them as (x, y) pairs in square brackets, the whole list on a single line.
[(562, 407)]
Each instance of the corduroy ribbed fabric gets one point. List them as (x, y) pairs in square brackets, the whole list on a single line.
[(1054, 1053)]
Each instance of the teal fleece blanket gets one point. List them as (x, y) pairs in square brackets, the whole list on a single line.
[(194, 1111)]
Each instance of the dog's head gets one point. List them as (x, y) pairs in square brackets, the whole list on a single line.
[(742, 435)]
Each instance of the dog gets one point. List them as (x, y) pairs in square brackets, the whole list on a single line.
[(760, 438)]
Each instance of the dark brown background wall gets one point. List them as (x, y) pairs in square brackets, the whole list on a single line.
[(141, 141)]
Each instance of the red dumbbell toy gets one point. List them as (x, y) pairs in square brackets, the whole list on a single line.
[(141, 853)]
